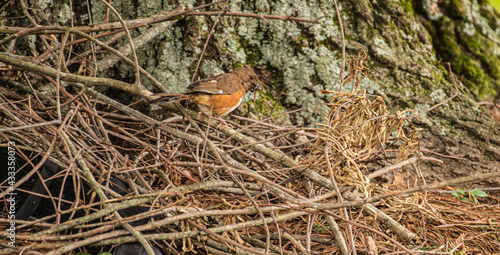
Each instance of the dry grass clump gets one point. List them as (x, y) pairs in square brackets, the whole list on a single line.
[(358, 128)]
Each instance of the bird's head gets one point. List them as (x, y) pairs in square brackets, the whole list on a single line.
[(249, 79)]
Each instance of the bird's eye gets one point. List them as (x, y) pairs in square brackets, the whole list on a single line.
[(251, 77)]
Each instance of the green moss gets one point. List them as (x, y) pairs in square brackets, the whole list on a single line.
[(491, 15), (253, 55), (261, 106), (457, 9), (237, 65), (475, 77), (474, 59), (484, 50), (408, 6)]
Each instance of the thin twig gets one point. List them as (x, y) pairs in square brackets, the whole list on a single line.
[(448, 99), (206, 42)]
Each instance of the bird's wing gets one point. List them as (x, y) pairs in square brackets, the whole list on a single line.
[(222, 84)]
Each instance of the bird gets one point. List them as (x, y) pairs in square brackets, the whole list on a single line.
[(219, 95)]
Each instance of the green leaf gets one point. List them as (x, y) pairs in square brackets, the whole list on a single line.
[(455, 194), (479, 193)]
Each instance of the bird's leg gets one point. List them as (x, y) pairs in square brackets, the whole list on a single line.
[(222, 122)]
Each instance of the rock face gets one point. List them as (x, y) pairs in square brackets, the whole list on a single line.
[(404, 41)]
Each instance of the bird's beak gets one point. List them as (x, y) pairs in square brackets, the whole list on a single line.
[(256, 86)]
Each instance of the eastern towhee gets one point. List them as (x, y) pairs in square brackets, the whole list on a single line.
[(218, 95)]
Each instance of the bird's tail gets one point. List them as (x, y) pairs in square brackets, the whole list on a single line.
[(167, 98)]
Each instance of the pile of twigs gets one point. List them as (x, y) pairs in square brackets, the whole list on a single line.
[(188, 185), (254, 187)]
